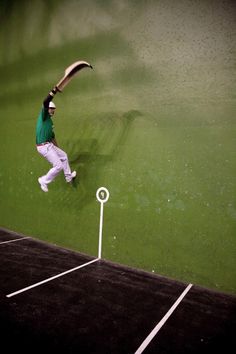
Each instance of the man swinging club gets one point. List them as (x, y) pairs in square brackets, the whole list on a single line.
[(45, 137)]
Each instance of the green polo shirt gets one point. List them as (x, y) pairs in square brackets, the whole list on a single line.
[(44, 127)]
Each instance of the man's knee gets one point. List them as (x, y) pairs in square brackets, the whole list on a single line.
[(64, 157), (58, 166)]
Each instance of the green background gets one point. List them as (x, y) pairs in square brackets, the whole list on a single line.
[(154, 122)]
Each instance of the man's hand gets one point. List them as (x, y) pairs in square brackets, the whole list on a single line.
[(53, 91)]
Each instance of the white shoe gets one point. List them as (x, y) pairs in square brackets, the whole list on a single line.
[(43, 186), (73, 174)]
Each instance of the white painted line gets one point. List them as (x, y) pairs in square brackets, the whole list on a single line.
[(162, 321), (17, 239), (51, 278)]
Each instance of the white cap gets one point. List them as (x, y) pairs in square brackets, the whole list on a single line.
[(52, 105)]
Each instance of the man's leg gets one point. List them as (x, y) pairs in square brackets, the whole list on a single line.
[(49, 152), (65, 163)]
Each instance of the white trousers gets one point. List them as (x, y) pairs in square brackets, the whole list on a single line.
[(59, 160)]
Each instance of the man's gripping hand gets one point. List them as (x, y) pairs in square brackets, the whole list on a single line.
[(53, 91)]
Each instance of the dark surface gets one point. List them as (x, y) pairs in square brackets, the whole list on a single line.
[(103, 307)]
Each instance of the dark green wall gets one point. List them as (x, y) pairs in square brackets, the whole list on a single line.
[(154, 122)]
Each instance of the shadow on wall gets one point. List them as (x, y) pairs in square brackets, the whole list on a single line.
[(90, 156)]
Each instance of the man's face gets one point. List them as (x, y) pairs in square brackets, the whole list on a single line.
[(51, 111)]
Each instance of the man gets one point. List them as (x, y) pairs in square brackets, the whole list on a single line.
[(47, 145)]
